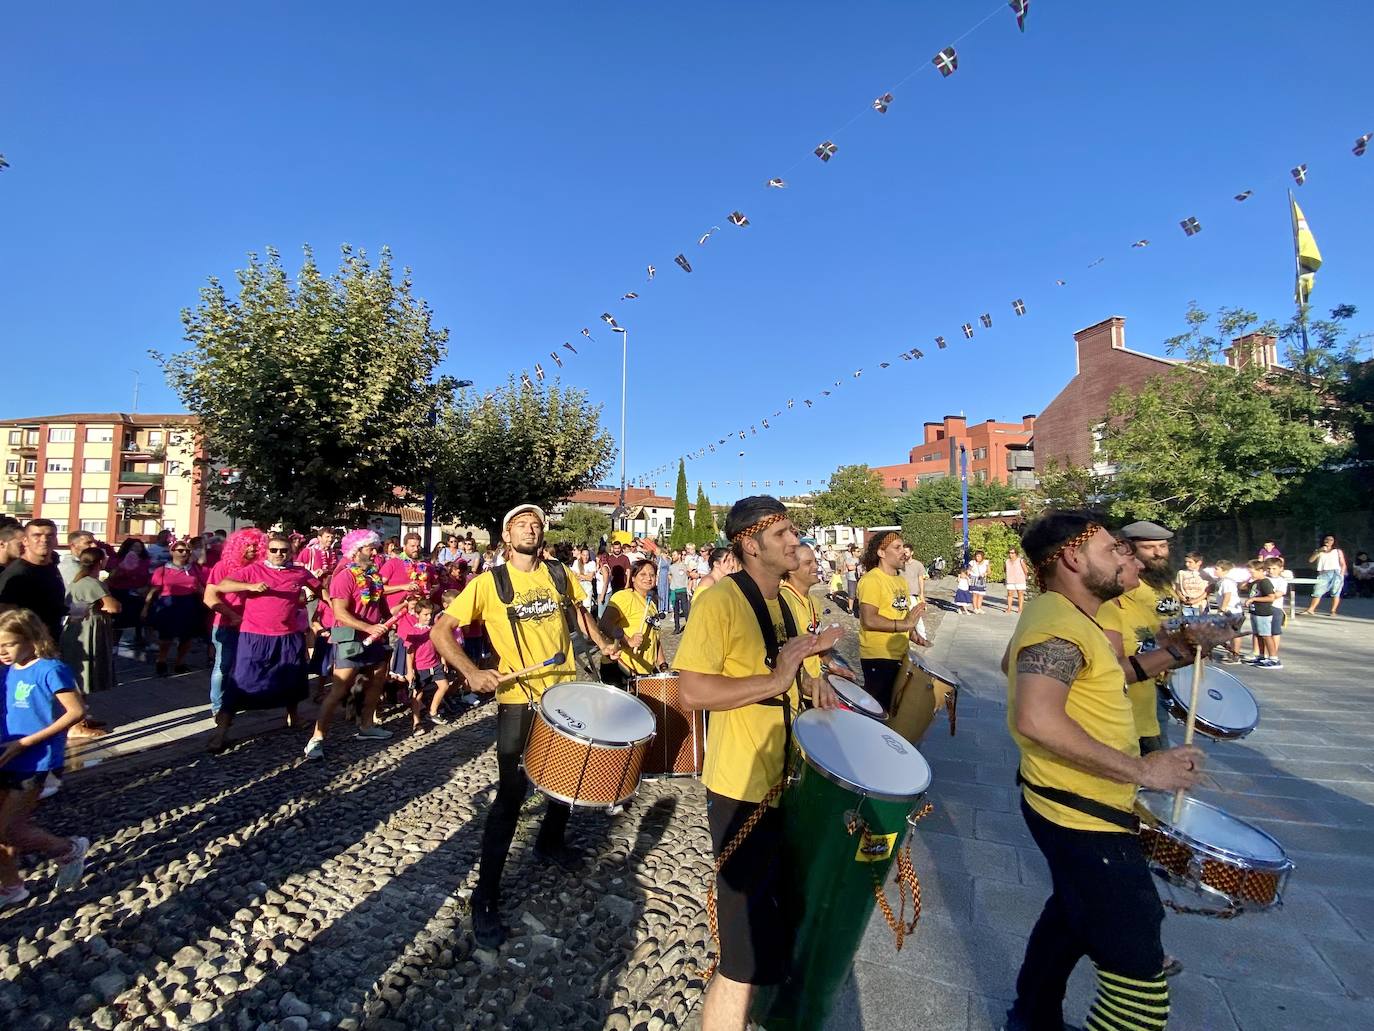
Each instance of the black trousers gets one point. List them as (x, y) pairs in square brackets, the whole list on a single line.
[(880, 677), (1104, 906), (512, 728)]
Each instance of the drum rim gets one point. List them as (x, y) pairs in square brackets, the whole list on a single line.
[(881, 713), (588, 738), (860, 789), (1210, 850), (920, 660), (671, 674), (1217, 730)]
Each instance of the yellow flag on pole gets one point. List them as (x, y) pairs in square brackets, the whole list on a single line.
[(1308, 257)]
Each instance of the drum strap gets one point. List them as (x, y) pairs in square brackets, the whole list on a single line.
[(1090, 807), (771, 645)]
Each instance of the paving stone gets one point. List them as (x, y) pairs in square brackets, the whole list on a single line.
[(878, 993), (1352, 963), (1258, 1006)]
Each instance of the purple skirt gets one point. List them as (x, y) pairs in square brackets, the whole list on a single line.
[(269, 672)]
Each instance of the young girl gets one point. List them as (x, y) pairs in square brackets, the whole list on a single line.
[(41, 704), (963, 597), (425, 672)]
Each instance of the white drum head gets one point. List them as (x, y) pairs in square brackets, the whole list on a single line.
[(856, 697), (940, 673), (861, 754), (1214, 829), (1223, 701), (597, 712)]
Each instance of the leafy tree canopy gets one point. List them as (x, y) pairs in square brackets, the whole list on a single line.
[(314, 393), (526, 444), (581, 525), (943, 495), (854, 498)]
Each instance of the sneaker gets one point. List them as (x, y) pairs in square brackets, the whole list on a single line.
[(373, 733), (487, 928), (52, 784), (471, 699), (70, 869), (1273, 664), (13, 895), (314, 748)]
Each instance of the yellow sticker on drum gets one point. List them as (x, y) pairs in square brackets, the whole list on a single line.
[(874, 848)]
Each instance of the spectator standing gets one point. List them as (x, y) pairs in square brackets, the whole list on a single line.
[(241, 548), (87, 643), (584, 568), (41, 703), (851, 571), (1190, 587), (914, 572), (1363, 572), (160, 551), (11, 543), (450, 552), (1331, 569), (615, 567), (1269, 550), (1263, 595), (978, 580), (69, 564), (1016, 581), (32, 581), (128, 582), (679, 578), (173, 606), (1229, 603)]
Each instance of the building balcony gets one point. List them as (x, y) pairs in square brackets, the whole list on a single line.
[(153, 479), (20, 509), (137, 453)]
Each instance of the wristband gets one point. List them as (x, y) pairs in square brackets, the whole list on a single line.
[(1178, 655), (1140, 674)]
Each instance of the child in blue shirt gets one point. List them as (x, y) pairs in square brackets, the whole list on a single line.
[(41, 703)]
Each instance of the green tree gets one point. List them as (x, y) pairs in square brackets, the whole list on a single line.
[(854, 498), (315, 393), (929, 534), (1206, 439), (944, 495), (518, 444), (581, 525), (683, 531), (993, 539), (803, 518), (704, 527), (1070, 486)]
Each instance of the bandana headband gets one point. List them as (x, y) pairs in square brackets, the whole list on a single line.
[(759, 527), (1045, 565)]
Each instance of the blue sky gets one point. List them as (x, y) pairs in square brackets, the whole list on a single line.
[(529, 162)]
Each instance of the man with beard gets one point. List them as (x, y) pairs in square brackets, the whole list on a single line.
[(1080, 765), (741, 660), (527, 626), (1132, 621)]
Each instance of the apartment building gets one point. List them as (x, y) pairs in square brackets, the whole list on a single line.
[(996, 451), (115, 474)]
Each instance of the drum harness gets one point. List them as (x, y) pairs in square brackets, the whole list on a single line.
[(505, 593), (906, 873)]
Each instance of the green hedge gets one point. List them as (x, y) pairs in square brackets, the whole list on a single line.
[(929, 534)]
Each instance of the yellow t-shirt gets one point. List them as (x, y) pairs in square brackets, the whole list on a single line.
[(543, 631), (745, 746), (1133, 615), (890, 596), (626, 609), (1097, 702), (804, 613)]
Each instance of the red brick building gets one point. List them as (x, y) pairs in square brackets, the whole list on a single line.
[(989, 446)]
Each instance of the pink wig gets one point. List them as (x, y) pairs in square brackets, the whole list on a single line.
[(355, 539), (240, 541)]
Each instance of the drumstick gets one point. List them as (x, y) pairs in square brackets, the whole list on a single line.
[(555, 660), (374, 638), (1190, 725)]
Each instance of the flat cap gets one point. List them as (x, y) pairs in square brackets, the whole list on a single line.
[(1144, 530)]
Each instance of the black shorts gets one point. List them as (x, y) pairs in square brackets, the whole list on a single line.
[(755, 939)]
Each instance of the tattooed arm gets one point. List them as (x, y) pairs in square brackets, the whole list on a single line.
[(1044, 673)]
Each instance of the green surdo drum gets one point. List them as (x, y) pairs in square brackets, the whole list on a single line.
[(853, 786)]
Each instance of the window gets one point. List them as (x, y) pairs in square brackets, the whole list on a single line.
[(653, 523), (61, 434), (979, 475), (61, 525), (12, 467), (169, 497), (95, 526), (980, 452), (15, 437), (95, 495), (903, 481), (59, 465), (30, 466), (57, 496), (11, 496), (95, 465), (30, 438), (154, 438), (152, 526), (100, 435), (26, 496)]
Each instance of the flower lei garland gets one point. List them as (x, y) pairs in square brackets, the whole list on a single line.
[(369, 581)]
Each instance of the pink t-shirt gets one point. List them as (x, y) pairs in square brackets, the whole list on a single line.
[(277, 611), (228, 598), (317, 560), (399, 571), (178, 581), (345, 585), (415, 636)]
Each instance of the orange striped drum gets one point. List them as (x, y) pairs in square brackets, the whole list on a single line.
[(587, 743)]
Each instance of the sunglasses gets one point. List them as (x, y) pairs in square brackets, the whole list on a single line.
[(179, 551), (278, 551)]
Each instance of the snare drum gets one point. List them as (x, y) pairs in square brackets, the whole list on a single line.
[(1225, 709), (856, 699), (1233, 866), (854, 786), (587, 744), (679, 745)]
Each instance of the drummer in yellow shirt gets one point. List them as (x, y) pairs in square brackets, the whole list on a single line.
[(725, 668), (887, 621), (527, 628), (1071, 719), (631, 619)]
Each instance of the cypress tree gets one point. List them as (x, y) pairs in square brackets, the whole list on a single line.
[(705, 524), (682, 512)]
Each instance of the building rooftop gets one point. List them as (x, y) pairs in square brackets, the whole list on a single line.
[(124, 418)]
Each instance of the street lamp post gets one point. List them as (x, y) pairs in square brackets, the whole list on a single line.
[(624, 367), (963, 494), (429, 487)]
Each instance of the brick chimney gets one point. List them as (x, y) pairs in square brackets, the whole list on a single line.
[(956, 425), (1028, 423), (1109, 334), (934, 431), (1253, 348)]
